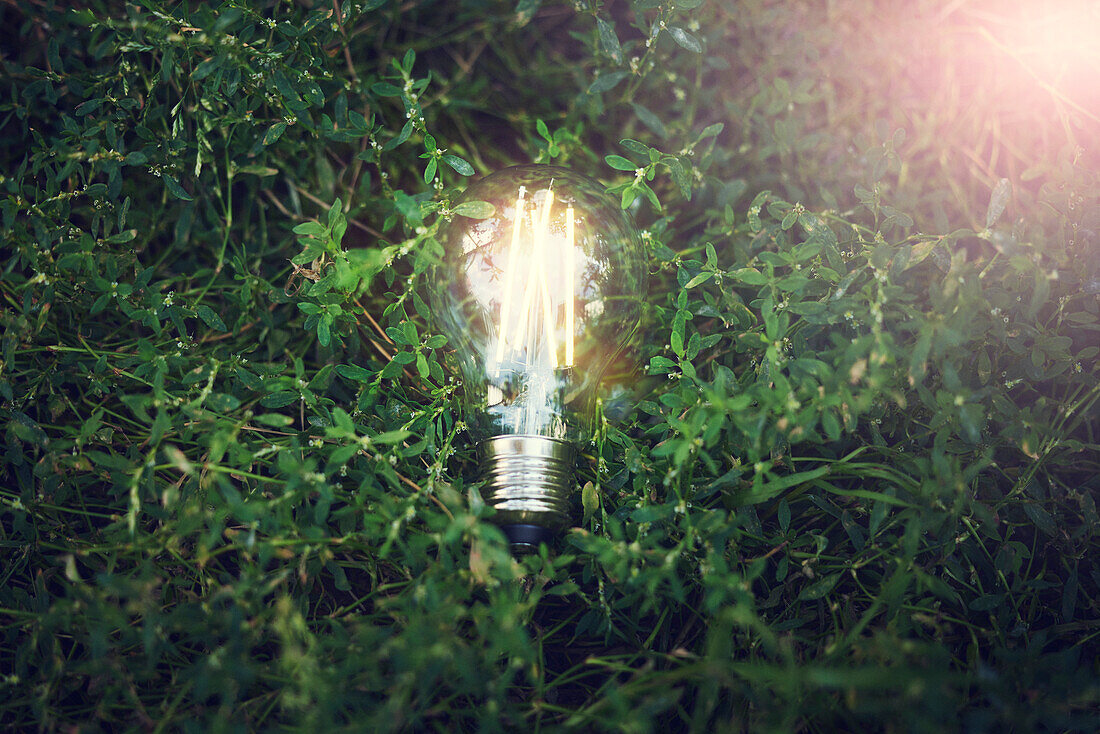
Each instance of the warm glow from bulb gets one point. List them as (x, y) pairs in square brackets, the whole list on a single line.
[(1056, 44), (532, 250), (1064, 35)]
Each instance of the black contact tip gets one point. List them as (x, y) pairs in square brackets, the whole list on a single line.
[(527, 537)]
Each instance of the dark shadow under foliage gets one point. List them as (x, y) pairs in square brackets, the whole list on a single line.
[(849, 486)]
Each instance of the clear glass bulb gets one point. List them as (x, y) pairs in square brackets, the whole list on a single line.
[(537, 299)]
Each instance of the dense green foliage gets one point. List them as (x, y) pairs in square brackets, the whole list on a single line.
[(852, 484)]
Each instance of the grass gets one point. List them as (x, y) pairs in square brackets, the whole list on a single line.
[(845, 478)]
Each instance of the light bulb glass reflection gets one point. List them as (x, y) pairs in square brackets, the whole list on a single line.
[(537, 299)]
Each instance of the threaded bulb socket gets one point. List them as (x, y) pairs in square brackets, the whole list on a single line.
[(528, 481)]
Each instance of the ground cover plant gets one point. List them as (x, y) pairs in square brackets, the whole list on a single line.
[(851, 485)]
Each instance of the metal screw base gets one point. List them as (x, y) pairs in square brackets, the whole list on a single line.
[(528, 480)]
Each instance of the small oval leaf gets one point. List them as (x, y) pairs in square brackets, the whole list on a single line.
[(210, 318), (475, 209), (460, 165), (685, 39), (998, 199), (274, 133)]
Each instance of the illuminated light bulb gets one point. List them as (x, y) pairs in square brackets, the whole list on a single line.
[(537, 299)]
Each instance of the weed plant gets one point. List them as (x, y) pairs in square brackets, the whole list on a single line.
[(850, 486)]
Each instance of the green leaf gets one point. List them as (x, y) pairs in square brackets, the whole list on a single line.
[(698, 280), (774, 487), (649, 194), (606, 82), (681, 177), (28, 430), (1040, 294), (314, 229), (408, 207), (685, 39), (222, 402), (335, 212), (831, 425), (422, 366), (276, 420), (609, 41), (819, 588), (86, 108), (280, 399), (619, 163), (789, 219), (525, 11), (122, 237), (250, 380), (390, 437), (650, 120), (261, 171), (355, 373), (475, 209), (590, 501), (385, 89), (175, 189), (274, 133), (754, 210), (313, 93), (285, 88), (748, 276), (342, 420), (987, 602), (205, 69), (1041, 518), (459, 165), (919, 355), (712, 130), (210, 318), (401, 137), (676, 339), (998, 200)]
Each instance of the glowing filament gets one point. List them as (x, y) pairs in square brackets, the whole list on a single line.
[(541, 257), (510, 270), (536, 285), (570, 240)]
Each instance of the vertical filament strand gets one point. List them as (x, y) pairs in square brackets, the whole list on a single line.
[(536, 285), (509, 273), (570, 243), (542, 255)]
